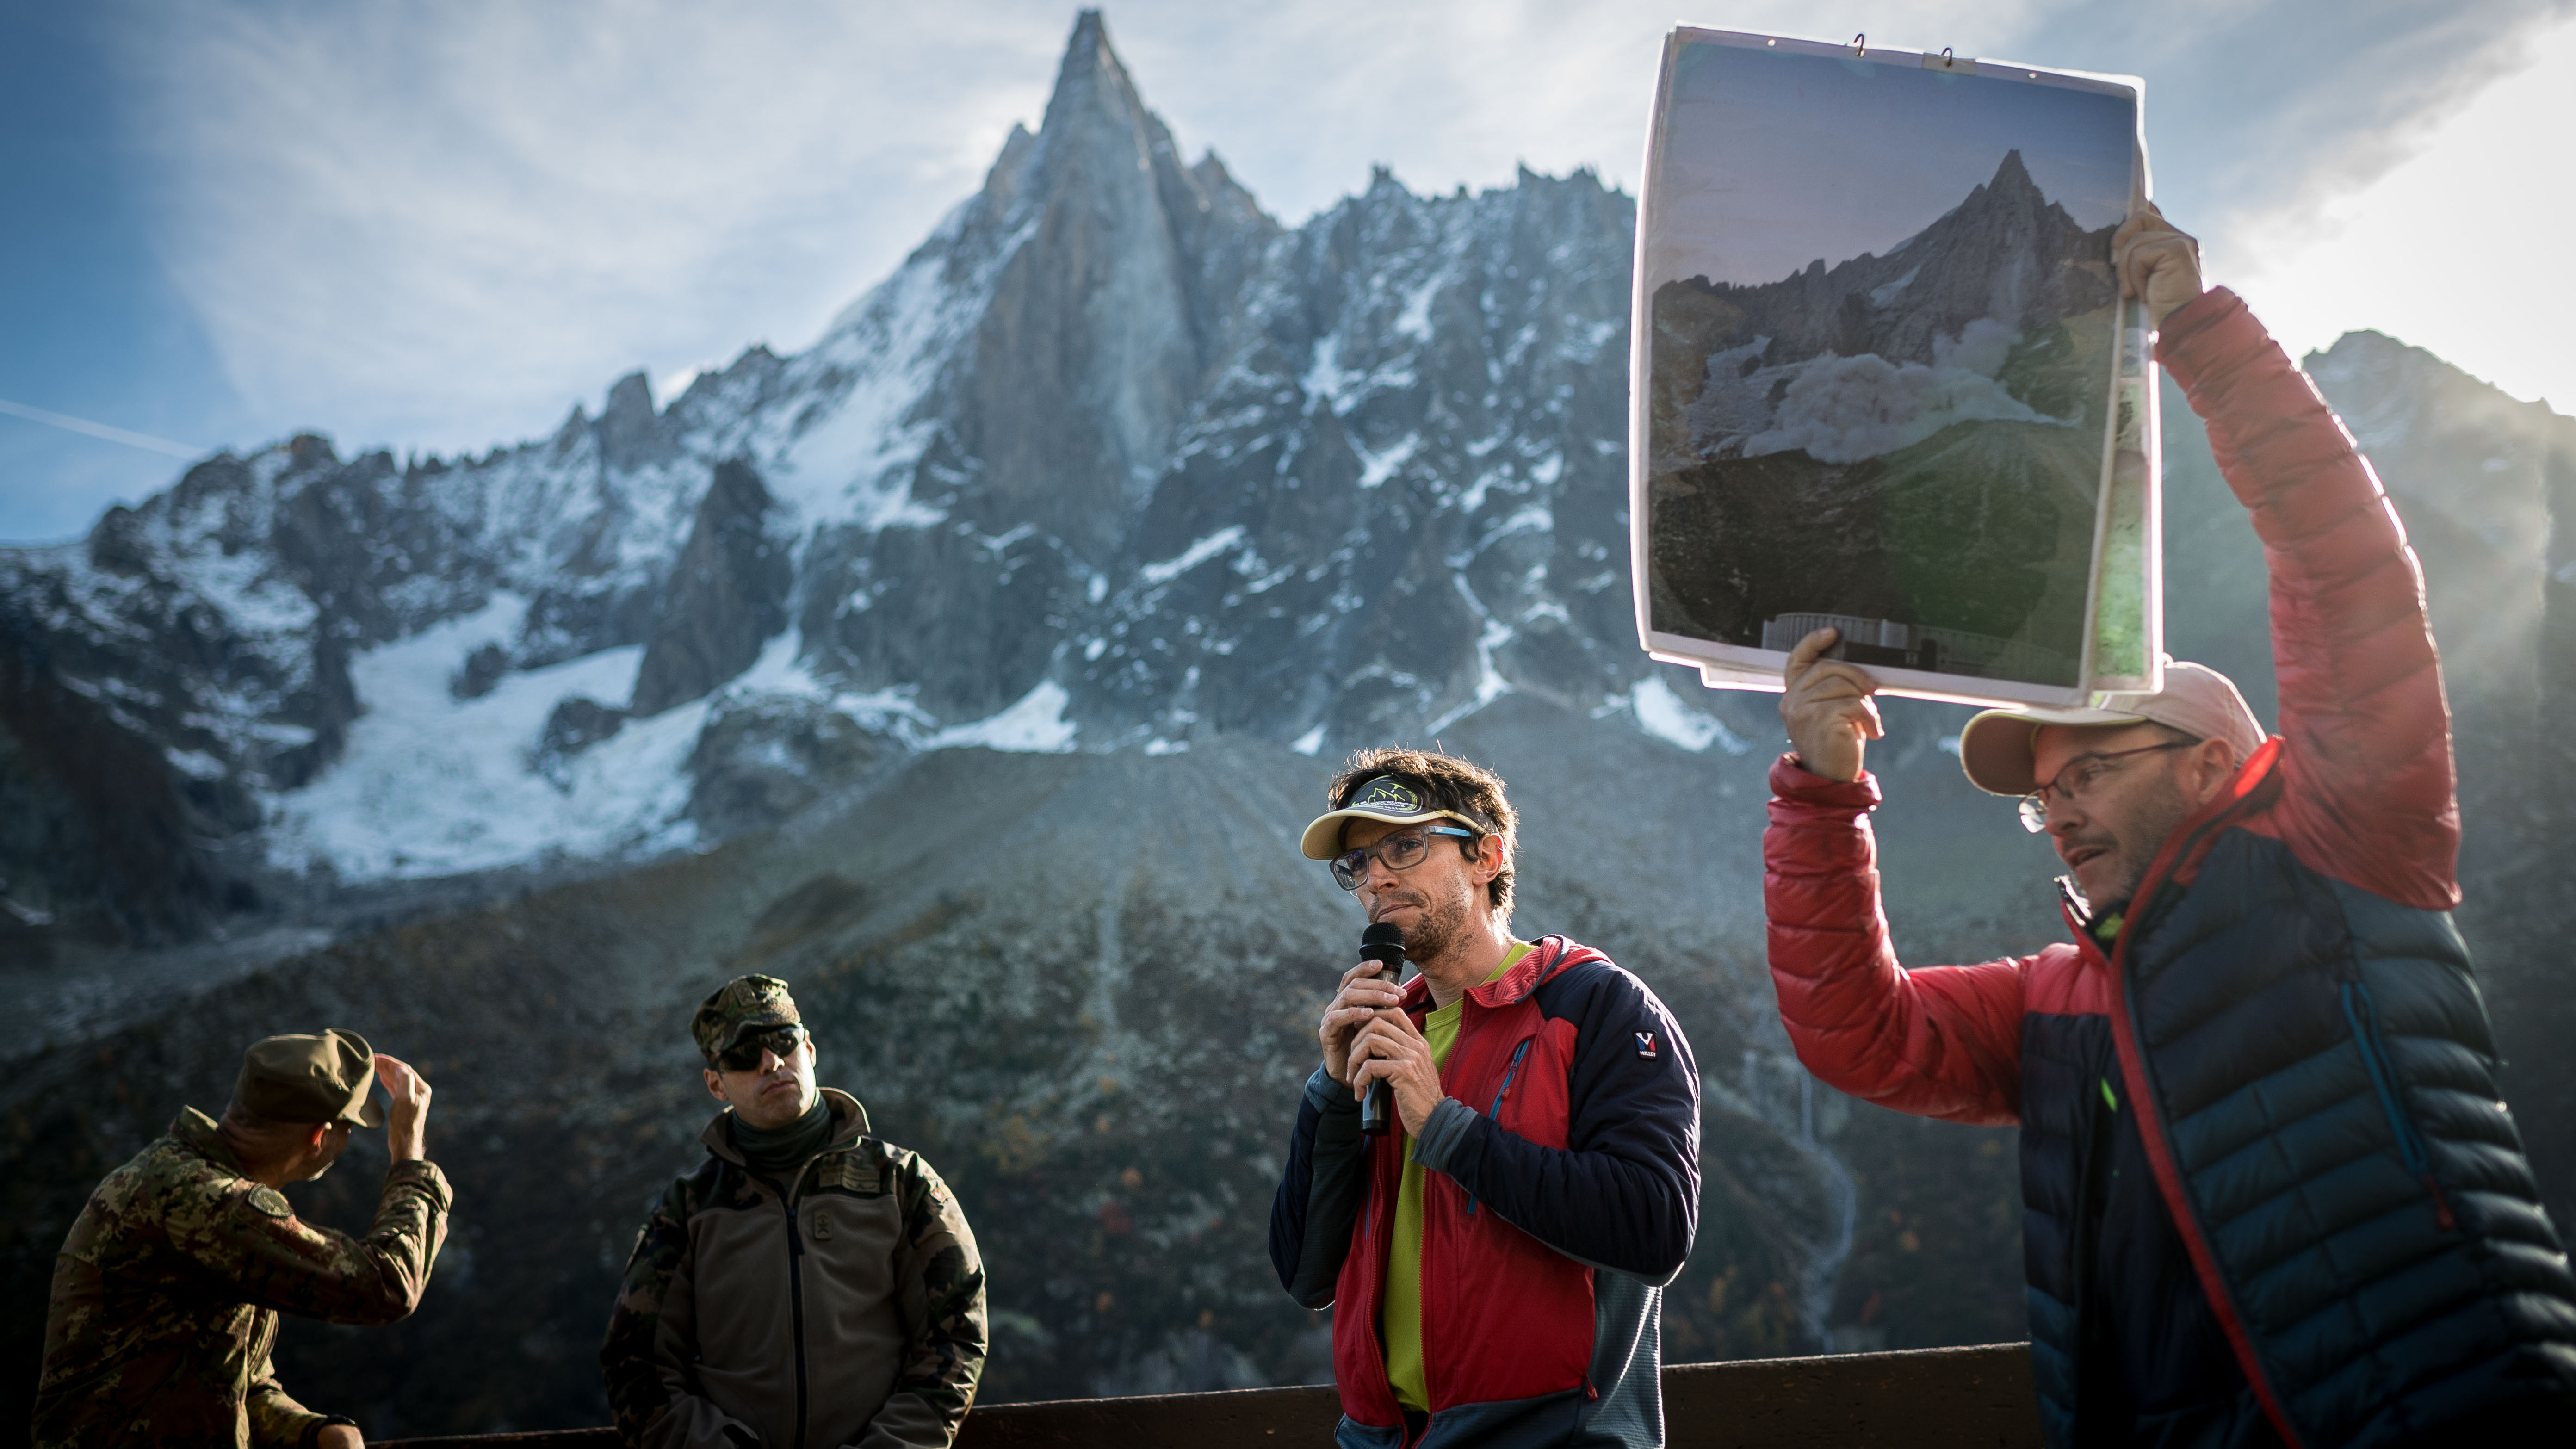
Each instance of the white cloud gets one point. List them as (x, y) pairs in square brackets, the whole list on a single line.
[(438, 226), (442, 226), (2459, 248)]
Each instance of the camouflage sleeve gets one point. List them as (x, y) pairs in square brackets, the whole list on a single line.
[(248, 1236), (942, 1294), (276, 1420), (644, 1362)]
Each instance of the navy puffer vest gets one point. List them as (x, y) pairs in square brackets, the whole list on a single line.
[(2312, 1076)]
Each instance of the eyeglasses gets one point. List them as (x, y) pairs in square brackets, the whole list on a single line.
[(2080, 775), (744, 1055), (1400, 852)]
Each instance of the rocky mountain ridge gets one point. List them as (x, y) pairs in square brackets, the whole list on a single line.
[(1937, 411), (2005, 254), (1113, 460), (973, 670)]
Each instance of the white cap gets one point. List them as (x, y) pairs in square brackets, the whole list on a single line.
[(1384, 798), (1996, 747)]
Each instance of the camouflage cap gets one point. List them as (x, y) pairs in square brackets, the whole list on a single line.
[(326, 1078), (744, 1004)]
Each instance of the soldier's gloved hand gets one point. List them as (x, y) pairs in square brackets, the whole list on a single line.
[(409, 1119), (340, 1436)]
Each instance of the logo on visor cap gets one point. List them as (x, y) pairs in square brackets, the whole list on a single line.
[(1387, 793)]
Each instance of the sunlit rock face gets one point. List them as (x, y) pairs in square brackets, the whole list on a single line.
[(1113, 460), (974, 669)]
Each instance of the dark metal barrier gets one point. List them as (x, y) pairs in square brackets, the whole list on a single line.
[(1934, 1398)]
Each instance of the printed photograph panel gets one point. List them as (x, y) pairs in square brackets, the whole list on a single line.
[(1883, 324)]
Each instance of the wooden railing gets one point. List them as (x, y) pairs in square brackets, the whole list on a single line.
[(1935, 1398)]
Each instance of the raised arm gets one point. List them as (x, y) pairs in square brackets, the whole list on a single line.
[(255, 1244), (2371, 797), (1943, 1041)]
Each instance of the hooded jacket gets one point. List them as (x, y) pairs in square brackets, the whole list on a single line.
[(1562, 1195), (843, 1307), (2269, 1190)]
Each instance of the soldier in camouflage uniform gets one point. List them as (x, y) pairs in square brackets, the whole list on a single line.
[(166, 1294), (807, 1287)]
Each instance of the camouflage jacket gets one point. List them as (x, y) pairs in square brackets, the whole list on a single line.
[(167, 1291), (849, 1312)]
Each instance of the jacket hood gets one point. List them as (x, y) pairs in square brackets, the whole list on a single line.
[(849, 1124)]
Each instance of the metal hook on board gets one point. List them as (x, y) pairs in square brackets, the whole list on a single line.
[(1860, 43), (1947, 61)]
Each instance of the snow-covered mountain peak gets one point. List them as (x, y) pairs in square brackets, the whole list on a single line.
[(1111, 460)]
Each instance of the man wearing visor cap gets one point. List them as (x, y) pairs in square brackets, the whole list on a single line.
[(166, 1293), (809, 1284), (1541, 1179), (2270, 1195)]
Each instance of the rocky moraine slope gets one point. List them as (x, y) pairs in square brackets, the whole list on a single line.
[(974, 669)]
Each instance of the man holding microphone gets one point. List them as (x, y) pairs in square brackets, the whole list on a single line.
[(1495, 1260)]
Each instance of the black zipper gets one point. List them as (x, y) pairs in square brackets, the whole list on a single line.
[(2092, 1206), (796, 1291), (1496, 1111), (2363, 1014)]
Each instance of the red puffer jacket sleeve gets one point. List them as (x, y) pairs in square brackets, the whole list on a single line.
[(1944, 1041), (2370, 797)]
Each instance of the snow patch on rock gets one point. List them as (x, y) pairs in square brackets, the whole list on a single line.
[(1661, 713), (432, 785), (1034, 726)]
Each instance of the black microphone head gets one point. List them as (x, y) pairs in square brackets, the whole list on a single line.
[(1384, 942)]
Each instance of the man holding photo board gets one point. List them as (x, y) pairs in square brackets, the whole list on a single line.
[(2269, 1192)]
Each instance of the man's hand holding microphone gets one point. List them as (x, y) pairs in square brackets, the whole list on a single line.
[(1373, 1048)]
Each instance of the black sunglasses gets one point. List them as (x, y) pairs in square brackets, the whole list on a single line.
[(744, 1055)]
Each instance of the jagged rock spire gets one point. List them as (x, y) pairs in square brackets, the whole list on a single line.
[(1100, 326)]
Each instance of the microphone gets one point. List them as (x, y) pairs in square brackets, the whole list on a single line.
[(1383, 944)]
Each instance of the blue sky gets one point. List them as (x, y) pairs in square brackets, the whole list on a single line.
[(90, 324), (440, 227), (1776, 159)]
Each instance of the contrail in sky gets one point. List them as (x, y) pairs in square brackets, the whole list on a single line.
[(145, 441)]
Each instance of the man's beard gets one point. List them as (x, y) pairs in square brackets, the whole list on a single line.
[(1440, 925), (2159, 816)]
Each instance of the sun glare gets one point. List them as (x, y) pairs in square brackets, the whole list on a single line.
[(2460, 249)]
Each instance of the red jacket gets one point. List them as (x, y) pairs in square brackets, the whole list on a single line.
[(2368, 793), (2265, 1174), (1562, 1194)]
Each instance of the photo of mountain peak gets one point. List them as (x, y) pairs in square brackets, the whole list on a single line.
[(1905, 443)]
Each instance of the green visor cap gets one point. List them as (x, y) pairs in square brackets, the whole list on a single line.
[(326, 1078)]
